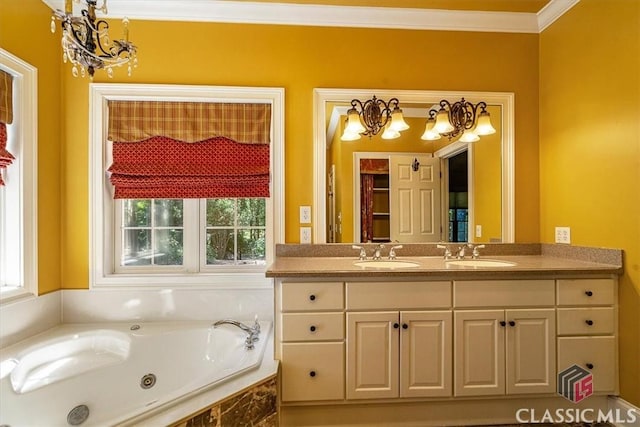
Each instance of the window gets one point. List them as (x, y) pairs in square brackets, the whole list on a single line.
[(18, 212), (215, 241)]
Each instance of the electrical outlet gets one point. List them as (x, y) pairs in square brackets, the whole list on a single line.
[(478, 231), (305, 214), (563, 235), (305, 234)]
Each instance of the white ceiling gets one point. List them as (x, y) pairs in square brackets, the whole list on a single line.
[(262, 12)]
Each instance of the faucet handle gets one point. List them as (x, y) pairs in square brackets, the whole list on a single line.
[(447, 251), (363, 252), (256, 324), (392, 251), (476, 252)]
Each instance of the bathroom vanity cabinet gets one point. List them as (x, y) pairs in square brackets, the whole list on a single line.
[(347, 339)]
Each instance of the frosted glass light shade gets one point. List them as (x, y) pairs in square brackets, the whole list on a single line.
[(349, 136), (469, 136), (354, 125), (429, 132), (390, 133), (484, 127), (397, 120), (442, 122)]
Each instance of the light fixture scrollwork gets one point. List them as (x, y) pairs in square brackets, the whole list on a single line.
[(372, 116), (86, 43), (461, 118)]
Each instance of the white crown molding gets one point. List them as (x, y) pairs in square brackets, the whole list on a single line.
[(334, 16), (552, 11)]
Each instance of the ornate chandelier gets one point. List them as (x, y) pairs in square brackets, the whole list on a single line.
[(86, 44), (461, 117), (372, 116)]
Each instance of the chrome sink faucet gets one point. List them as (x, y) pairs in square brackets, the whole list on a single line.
[(377, 252), (447, 251), (253, 332)]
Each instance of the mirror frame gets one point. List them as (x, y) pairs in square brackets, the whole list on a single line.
[(321, 96)]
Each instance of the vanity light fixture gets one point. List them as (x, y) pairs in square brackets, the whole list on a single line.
[(461, 117), (372, 116), (86, 43)]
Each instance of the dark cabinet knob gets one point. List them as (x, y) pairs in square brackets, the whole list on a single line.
[(312, 328), (588, 293), (405, 326), (503, 323), (312, 297), (312, 374), (589, 322), (590, 365), (396, 325), (512, 323)]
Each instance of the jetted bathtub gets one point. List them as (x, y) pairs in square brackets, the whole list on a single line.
[(106, 374)]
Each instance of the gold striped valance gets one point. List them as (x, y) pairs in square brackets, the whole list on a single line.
[(6, 89), (131, 121)]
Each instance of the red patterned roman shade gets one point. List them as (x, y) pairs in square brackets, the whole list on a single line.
[(193, 160), (6, 117)]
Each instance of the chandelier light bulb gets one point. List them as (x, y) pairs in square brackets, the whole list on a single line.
[(443, 125), (354, 125), (390, 133), (346, 136), (469, 136)]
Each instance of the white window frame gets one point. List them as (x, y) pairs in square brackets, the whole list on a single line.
[(102, 208), (19, 198)]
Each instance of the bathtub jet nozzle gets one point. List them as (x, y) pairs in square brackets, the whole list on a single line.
[(78, 415)]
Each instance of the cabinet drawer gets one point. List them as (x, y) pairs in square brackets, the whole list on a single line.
[(586, 321), (312, 371), (398, 295), (312, 296), (586, 291), (503, 293), (312, 326), (596, 354)]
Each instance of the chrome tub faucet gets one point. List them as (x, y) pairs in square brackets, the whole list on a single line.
[(253, 332)]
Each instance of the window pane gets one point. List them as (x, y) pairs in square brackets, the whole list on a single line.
[(168, 212), (220, 212), (137, 247), (251, 246), (168, 247), (137, 213), (220, 248), (251, 212)]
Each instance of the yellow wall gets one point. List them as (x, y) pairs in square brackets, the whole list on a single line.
[(300, 59), (590, 147), (25, 33)]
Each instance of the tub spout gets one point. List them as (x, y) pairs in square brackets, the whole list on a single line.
[(253, 332)]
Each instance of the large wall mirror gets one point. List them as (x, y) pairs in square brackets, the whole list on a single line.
[(472, 201)]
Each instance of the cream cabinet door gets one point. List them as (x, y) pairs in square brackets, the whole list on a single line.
[(531, 349), (372, 355), (425, 353), (479, 352)]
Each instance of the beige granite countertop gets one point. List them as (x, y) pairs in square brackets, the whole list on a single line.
[(539, 262)]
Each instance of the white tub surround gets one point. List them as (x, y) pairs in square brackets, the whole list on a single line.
[(116, 373), (25, 317)]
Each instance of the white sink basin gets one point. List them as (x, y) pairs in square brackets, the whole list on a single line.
[(391, 264), (480, 263)]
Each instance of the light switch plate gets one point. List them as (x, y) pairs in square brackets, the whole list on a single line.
[(478, 231), (305, 214), (305, 234)]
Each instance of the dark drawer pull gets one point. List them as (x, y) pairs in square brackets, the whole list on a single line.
[(312, 374), (589, 322), (312, 328), (396, 325), (503, 323), (588, 293), (312, 297), (590, 365), (512, 323), (405, 326)]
